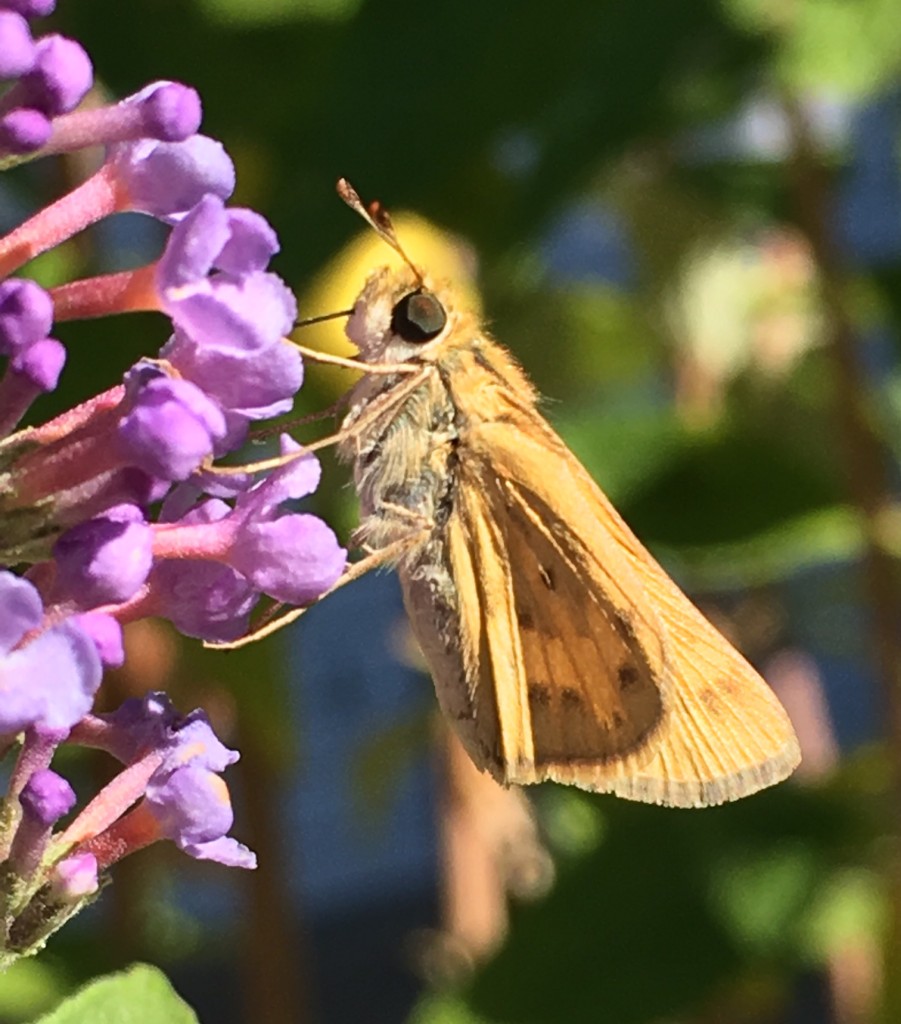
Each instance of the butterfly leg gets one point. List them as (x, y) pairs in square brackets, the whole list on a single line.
[(382, 556)]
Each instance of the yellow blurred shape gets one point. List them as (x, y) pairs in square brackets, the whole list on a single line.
[(440, 255)]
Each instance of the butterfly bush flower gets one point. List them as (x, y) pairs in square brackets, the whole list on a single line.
[(113, 510)]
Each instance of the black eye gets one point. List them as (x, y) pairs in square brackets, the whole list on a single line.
[(418, 316)]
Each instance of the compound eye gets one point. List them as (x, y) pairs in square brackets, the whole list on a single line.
[(418, 316)]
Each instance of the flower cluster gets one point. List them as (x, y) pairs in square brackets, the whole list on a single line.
[(113, 510)]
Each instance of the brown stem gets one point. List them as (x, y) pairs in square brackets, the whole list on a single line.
[(866, 468)]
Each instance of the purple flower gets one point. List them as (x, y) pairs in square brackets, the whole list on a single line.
[(106, 633), (189, 800), (167, 179), (47, 797), (44, 799), (175, 763), (256, 384), (50, 679), (74, 877), (105, 560), (167, 111), (17, 49), (31, 8), (144, 724), (171, 426), (26, 315), (81, 510), (59, 80), (211, 281), (292, 557), (192, 805), (206, 599), (40, 364), (22, 609), (138, 725), (24, 131), (29, 374), (170, 111)]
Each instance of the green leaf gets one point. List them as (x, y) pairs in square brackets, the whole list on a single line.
[(29, 987), (140, 995)]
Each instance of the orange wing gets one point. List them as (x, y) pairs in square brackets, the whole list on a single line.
[(604, 674)]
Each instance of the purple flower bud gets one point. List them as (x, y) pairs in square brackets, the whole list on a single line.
[(166, 111), (24, 131), (51, 679), (41, 364), (166, 179), (105, 560), (60, 78), (46, 797), (17, 49), (74, 877), (26, 314), (171, 427), (171, 111), (33, 371), (106, 633), (31, 8)]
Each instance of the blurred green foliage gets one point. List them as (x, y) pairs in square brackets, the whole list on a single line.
[(700, 394)]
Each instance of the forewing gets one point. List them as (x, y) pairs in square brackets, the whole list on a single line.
[(566, 643), (612, 615)]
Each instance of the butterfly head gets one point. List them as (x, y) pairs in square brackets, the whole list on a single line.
[(400, 317)]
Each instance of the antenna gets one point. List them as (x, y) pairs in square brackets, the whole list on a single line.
[(378, 218)]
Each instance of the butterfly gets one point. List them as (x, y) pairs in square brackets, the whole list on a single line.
[(559, 647)]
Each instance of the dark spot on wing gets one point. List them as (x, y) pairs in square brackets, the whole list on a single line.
[(627, 675), (525, 620), (710, 699), (547, 577), (571, 697), (540, 693)]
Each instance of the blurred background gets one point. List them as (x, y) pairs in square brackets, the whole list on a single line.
[(684, 217)]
